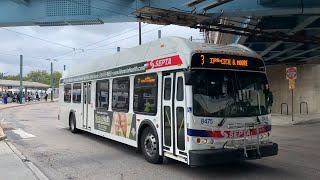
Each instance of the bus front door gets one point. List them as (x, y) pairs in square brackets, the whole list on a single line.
[(86, 105), (173, 113)]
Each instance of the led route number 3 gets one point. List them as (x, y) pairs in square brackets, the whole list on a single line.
[(226, 61)]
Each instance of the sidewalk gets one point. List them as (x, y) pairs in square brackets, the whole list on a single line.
[(11, 166), (298, 119)]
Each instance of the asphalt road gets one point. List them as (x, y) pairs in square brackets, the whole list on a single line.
[(59, 154)]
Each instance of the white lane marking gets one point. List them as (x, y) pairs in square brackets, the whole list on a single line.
[(23, 134)]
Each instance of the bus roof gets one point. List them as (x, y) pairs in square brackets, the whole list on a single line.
[(157, 49)]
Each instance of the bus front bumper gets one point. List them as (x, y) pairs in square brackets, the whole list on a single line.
[(216, 156)]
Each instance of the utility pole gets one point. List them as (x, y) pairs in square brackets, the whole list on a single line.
[(139, 33), (51, 81), (21, 88), (51, 77)]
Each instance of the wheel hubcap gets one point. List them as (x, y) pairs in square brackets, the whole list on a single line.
[(150, 144)]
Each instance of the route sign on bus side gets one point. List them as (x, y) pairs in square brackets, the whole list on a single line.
[(291, 73)]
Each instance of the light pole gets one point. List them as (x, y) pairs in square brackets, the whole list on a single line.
[(140, 41), (21, 78), (51, 76)]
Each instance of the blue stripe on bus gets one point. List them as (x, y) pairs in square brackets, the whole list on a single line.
[(197, 132)]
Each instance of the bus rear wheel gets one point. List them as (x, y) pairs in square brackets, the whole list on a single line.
[(72, 124), (150, 146)]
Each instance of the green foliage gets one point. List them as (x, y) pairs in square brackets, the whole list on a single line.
[(38, 76), (11, 77)]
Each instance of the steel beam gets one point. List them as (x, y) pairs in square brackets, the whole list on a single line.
[(270, 48), (284, 51), (306, 59), (298, 54), (215, 4), (194, 2), (293, 31)]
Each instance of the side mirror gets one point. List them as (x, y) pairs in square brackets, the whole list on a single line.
[(270, 98)]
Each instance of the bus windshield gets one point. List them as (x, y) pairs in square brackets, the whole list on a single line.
[(218, 93)]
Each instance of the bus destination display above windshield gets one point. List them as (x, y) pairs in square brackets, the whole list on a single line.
[(223, 61)]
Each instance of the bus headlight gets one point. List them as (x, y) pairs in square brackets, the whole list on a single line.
[(204, 141)]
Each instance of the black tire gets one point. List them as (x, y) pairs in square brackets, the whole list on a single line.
[(149, 144), (73, 124)]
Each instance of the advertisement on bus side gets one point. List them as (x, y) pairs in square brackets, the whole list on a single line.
[(117, 123)]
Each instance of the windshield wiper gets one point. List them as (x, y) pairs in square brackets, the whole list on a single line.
[(223, 120)]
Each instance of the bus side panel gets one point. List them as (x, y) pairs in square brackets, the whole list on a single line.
[(115, 137), (155, 120), (77, 109), (189, 116), (63, 108), (118, 126)]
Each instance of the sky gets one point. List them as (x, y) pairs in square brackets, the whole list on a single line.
[(73, 45)]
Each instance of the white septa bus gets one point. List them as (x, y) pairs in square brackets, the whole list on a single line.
[(197, 103)]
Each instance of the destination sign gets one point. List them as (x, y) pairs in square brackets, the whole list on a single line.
[(224, 61), (146, 81)]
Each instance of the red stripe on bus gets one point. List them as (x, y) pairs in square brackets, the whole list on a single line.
[(164, 62)]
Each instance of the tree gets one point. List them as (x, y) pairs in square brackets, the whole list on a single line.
[(11, 77), (39, 76), (56, 78), (44, 77)]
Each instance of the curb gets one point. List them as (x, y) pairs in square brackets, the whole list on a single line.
[(2, 135), (27, 104), (311, 121), (36, 171)]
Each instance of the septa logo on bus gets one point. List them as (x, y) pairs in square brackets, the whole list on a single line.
[(240, 134), (227, 133), (164, 62)]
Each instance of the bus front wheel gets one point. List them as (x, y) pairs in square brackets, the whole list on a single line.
[(72, 124), (150, 146)]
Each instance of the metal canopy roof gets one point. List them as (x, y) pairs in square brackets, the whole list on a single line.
[(26, 84), (280, 38), (279, 52), (282, 31)]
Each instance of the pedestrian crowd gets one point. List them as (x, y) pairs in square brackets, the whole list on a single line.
[(7, 97)]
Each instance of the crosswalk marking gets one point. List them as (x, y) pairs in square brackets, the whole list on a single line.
[(23, 134)]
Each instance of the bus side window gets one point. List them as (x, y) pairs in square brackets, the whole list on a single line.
[(120, 94), (76, 93), (67, 93), (102, 94), (180, 90), (145, 94)]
